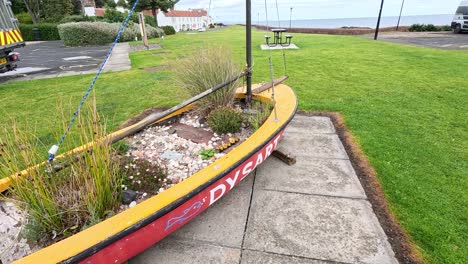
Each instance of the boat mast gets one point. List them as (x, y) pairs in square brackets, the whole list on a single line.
[(248, 45)]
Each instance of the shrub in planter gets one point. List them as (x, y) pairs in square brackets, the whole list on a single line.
[(225, 120), (168, 30)]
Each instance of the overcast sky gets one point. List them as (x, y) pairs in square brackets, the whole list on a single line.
[(233, 10)]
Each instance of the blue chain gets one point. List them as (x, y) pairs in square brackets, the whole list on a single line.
[(53, 150)]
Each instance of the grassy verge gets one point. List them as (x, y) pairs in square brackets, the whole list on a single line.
[(407, 107)]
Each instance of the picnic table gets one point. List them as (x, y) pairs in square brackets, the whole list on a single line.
[(278, 37)]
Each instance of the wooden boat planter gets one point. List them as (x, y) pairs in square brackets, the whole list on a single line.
[(130, 232)]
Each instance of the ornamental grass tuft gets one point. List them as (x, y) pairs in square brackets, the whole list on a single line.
[(61, 203), (207, 68)]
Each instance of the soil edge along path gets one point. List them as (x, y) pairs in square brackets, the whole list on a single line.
[(404, 248)]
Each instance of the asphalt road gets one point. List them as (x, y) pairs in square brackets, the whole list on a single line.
[(52, 58), (440, 40)]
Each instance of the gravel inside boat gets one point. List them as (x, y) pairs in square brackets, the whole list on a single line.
[(176, 148)]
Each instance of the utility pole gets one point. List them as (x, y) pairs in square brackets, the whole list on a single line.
[(248, 45), (378, 21), (399, 17)]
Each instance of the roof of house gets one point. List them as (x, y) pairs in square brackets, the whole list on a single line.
[(171, 13), (184, 13)]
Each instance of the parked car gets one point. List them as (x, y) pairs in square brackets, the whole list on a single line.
[(10, 37), (460, 20), (202, 29)]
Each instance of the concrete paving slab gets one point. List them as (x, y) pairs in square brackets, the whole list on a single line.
[(176, 251), (224, 222), (311, 124), (278, 47), (255, 257), (310, 176), (326, 146), (318, 227)]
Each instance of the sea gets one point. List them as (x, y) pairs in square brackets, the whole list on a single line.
[(390, 21)]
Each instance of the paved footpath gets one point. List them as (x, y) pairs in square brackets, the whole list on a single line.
[(312, 212)]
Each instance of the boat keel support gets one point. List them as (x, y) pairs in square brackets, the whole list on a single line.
[(285, 156)]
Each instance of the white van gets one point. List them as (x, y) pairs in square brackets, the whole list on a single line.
[(460, 20)]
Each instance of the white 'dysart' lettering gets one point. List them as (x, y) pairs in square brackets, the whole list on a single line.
[(219, 190)]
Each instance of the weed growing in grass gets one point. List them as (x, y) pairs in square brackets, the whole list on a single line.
[(61, 203), (207, 68)]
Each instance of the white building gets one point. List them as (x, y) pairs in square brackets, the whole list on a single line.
[(183, 20)]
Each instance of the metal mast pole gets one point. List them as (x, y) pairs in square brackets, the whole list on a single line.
[(248, 44), (399, 17), (378, 21)]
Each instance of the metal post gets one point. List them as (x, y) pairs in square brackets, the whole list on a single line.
[(290, 17), (378, 21), (248, 44), (399, 17)]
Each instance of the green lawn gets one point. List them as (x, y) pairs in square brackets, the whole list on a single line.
[(407, 107)]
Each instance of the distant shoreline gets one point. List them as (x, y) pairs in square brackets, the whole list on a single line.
[(363, 22), (335, 31)]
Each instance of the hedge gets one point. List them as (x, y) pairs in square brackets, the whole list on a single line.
[(168, 30), (100, 33), (78, 18), (24, 18), (149, 20), (48, 31), (428, 28)]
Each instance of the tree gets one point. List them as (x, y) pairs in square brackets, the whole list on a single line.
[(154, 5), (54, 10), (122, 3), (18, 6), (34, 10), (77, 7)]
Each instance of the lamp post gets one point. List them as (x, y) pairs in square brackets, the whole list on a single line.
[(378, 21), (399, 17)]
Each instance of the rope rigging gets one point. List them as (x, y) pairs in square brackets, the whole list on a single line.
[(53, 150), (270, 59)]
